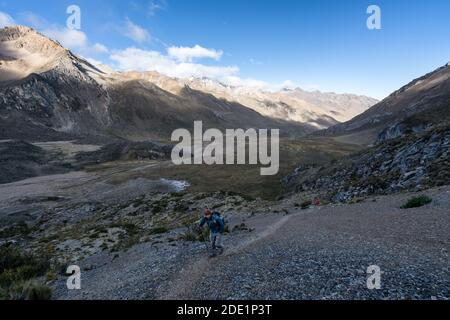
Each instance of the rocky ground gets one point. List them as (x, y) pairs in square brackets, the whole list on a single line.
[(316, 253)]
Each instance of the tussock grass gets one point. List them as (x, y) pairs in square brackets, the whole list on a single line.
[(18, 274), (417, 202)]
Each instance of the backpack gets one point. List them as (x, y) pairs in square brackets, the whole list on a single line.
[(219, 217)]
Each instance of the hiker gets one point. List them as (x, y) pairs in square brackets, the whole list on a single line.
[(216, 225), (316, 201)]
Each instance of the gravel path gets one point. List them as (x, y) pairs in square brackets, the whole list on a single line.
[(320, 253)]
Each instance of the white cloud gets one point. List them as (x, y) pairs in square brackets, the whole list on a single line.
[(99, 48), (245, 82), (255, 62), (155, 6), (287, 84), (141, 60), (6, 20), (134, 32), (188, 54), (72, 39)]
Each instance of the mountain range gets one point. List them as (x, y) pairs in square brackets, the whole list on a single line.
[(49, 93), (419, 105)]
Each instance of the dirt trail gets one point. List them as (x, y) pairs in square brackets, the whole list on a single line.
[(194, 272)]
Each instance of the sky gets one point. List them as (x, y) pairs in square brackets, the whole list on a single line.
[(313, 44)]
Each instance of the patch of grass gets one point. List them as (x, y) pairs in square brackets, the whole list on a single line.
[(19, 229), (100, 229), (242, 195), (138, 202), (157, 209), (241, 227), (306, 204), (125, 242), (417, 202), (33, 290), (181, 206), (130, 238), (28, 290), (159, 230), (130, 228), (18, 271), (190, 236)]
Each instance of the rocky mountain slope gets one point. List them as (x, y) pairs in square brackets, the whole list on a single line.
[(20, 160), (416, 106), (410, 133), (46, 93), (415, 161), (341, 107)]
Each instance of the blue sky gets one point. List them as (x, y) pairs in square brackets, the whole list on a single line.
[(314, 44)]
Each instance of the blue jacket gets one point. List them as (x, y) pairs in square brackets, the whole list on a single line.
[(215, 223)]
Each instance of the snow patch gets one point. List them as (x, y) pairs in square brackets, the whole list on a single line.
[(177, 185)]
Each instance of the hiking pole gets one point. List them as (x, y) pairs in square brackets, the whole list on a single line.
[(203, 239)]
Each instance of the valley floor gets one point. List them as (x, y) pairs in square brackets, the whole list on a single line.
[(318, 253)]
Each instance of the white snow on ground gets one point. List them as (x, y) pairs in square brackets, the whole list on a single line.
[(177, 185)]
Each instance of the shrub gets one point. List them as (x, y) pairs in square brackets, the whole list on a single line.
[(129, 238), (13, 259), (190, 236), (29, 290), (306, 204), (125, 242), (17, 273), (19, 229), (417, 202), (240, 227), (130, 228), (36, 291), (193, 235), (159, 230)]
